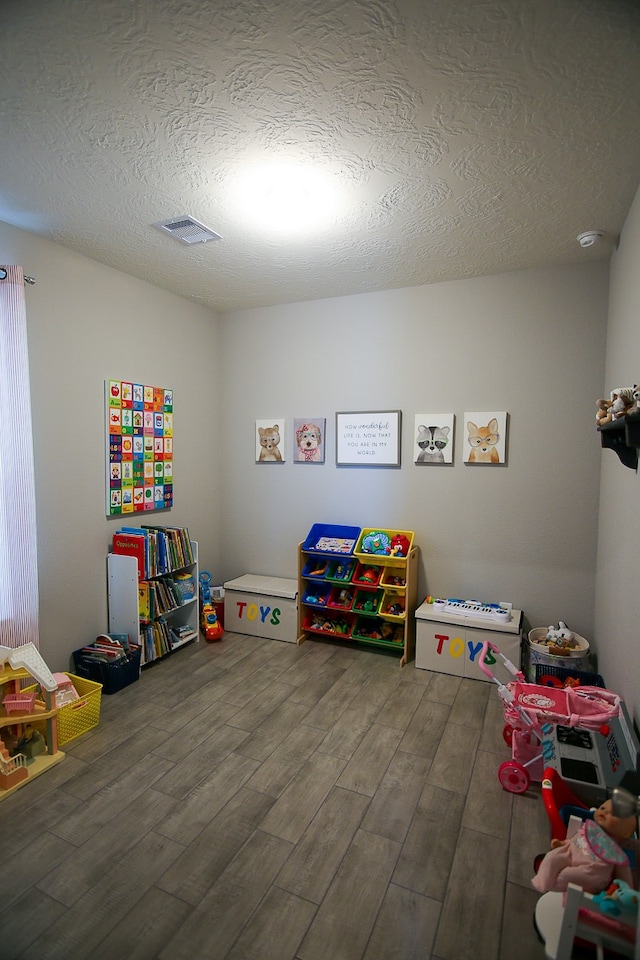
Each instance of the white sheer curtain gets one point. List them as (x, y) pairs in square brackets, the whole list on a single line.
[(18, 548)]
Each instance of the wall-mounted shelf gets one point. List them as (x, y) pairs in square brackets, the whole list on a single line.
[(623, 436)]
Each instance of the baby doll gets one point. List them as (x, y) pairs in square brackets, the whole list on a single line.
[(592, 858)]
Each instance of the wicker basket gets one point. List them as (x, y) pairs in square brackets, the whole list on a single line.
[(539, 653)]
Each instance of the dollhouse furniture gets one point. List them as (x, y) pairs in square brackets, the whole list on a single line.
[(20, 711), (559, 925)]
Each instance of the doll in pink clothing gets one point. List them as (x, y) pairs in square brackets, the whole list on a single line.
[(592, 857)]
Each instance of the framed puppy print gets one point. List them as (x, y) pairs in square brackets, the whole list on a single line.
[(309, 439)]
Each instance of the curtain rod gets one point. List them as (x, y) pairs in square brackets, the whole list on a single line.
[(29, 280)]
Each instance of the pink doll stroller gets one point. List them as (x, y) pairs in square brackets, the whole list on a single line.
[(556, 728)]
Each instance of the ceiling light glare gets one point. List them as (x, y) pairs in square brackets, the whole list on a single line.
[(287, 198)]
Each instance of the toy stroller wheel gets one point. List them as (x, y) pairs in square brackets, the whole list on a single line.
[(513, 776), (507, 735)]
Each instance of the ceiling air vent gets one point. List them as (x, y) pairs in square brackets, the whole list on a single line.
[(187, 230)]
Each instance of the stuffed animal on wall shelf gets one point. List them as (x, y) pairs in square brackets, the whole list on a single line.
[(603, 412)]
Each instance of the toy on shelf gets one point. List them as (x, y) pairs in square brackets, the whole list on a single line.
[(340, 570), (635, 400), (367, 575), (317, 595), (621, 403), (399, 546), (377, 542), (603, 412), (328, 624)]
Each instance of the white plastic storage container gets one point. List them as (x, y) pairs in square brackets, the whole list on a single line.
[(261, 607), (451, 644)]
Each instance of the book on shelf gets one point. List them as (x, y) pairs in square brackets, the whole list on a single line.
[(156, 640), (132, 545), (183, 634), (144, 600), (171, 548)]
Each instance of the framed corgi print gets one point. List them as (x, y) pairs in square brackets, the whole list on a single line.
[(485, 438), (433, 438)]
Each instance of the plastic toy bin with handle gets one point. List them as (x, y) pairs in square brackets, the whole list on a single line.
[(331, 539), (374, 546)]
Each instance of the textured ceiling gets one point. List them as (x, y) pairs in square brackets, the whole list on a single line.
[(471, 137)]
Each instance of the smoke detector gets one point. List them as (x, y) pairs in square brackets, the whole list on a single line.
[(187, 229), (590, 238)]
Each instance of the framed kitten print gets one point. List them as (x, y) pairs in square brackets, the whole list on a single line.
[(485, 438), (269, 440), (433, 438)]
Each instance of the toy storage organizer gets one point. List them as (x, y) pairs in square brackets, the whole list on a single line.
[(349, 592), (451, 644), (261, 607)]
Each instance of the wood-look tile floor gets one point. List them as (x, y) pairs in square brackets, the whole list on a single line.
[(255, 800)]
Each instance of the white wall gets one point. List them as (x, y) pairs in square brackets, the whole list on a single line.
[(530, 343), (617, 622), (87, 323)]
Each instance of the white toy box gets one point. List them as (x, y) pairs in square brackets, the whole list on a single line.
[(448, 643), (262, 607)]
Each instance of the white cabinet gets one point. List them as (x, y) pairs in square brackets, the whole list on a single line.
[(157, 613)]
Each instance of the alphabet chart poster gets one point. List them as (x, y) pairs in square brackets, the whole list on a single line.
[(139, 431)]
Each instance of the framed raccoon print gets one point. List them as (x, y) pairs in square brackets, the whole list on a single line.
[(485, 438), (433, 438)]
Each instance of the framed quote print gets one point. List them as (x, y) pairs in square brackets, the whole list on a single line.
[(368, 439)]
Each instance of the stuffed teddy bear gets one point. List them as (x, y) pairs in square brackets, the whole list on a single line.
[(603, 412)]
